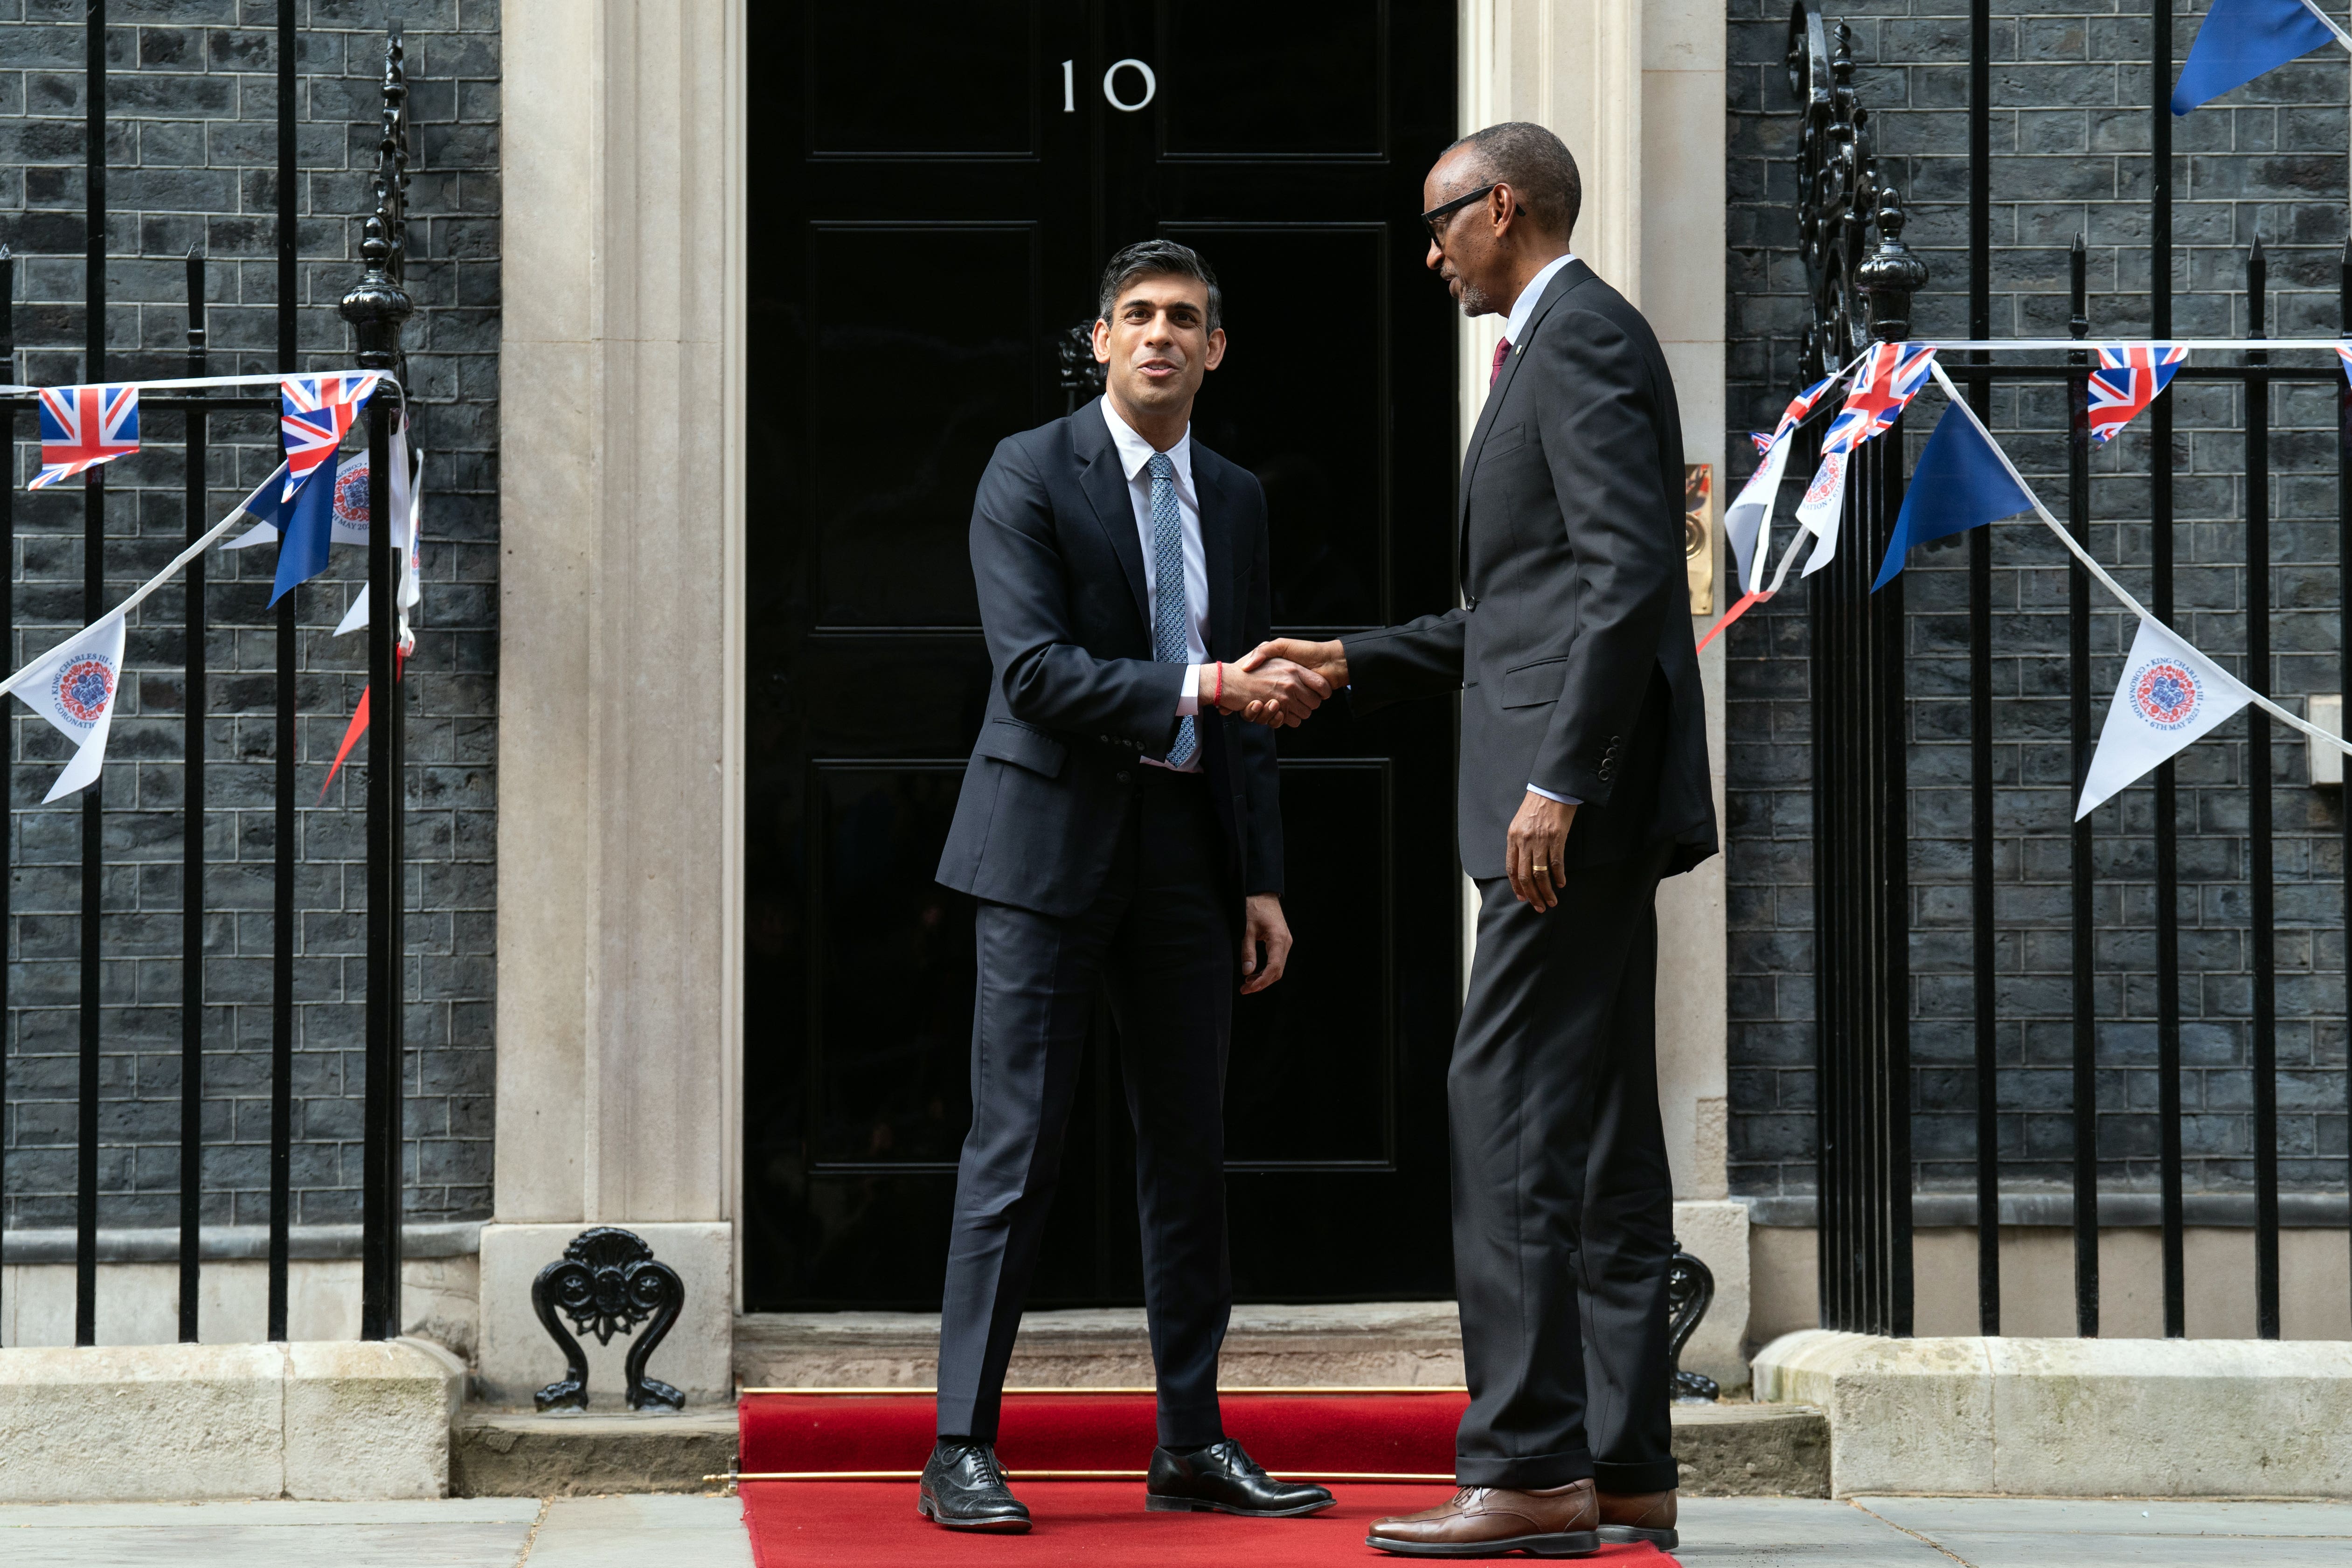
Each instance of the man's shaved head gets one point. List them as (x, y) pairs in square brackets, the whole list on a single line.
[(1535, 163)]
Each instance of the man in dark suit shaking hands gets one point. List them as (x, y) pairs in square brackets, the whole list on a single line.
[(1121, 832), (1584, 781)]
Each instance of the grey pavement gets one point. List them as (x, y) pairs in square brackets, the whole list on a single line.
[(706, 1532), (463, 1532), (2011, 1532)]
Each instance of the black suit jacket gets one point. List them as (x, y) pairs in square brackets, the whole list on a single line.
[(1573, 650), (1075, 698)]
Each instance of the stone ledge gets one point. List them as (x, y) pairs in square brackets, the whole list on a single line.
[(331, 1420), (509, 1453), (2070, 1417), (217, 1243), (1735, 1450), (2055, 1209)]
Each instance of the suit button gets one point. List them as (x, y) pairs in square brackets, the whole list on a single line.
[(1126, 777)]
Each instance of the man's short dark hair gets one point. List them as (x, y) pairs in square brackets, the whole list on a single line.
[(1535, 164), (1163, 257)]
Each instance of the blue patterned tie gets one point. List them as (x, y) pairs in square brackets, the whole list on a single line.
[(1169, 609)]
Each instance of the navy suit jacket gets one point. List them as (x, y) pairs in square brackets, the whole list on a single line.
[(1075, 696)]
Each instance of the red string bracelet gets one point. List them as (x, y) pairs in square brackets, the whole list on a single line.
[(1219, 700)]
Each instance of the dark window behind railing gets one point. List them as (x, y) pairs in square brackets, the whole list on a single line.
[(205, 884)]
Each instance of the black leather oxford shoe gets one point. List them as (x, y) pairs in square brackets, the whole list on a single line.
[(1222, 1479), (963, 1489)]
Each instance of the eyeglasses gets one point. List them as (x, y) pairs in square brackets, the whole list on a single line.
[(1434, 217)]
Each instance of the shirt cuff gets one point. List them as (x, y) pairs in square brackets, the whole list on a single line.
[(1188, 702), (1563, 799)]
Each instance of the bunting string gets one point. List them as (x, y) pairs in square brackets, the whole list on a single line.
[(191, 382), (73, 685), (203, 542), (2099, 573), (2163, 704), (2207, 346)]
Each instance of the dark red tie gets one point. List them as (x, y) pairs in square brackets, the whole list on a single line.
[(1502, 352)]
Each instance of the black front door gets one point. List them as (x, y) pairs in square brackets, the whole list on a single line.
[(935, 187)]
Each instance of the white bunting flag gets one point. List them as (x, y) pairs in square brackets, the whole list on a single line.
[(1749, 521), (408, 504), (1819, 512), (2170, 694), (73, 687)]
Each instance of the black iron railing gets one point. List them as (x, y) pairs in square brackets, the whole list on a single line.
[(1864, 1167), (1861, 292), (376, 308)]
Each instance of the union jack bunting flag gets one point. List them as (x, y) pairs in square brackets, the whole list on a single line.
[(2345, 355), (82, 426), (2128, 379), (1890, 377), (1799, 406), (315, 413)]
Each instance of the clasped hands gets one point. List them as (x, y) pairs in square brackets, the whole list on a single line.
[(1284, 679), (1280, 683)]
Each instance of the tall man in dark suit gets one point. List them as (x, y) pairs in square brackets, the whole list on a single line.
[(1122, 834), (1583, 780)]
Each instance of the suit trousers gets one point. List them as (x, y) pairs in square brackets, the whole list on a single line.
[(1563, 1205), (1160, 940)]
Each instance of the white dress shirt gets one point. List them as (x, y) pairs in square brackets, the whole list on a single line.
[(1135, 454), (1522, 309), (1523, 306)]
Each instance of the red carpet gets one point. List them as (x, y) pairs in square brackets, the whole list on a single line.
[(824, 1517), (1383, 1434), (1079, 1524)]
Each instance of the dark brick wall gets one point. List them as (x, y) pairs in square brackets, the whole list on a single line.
[(2070, 141), (190, 156)]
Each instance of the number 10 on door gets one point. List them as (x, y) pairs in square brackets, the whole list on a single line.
[(1109, 85)]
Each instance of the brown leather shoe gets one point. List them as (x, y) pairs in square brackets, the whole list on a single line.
[(1639, 1516), (1489, 1521)]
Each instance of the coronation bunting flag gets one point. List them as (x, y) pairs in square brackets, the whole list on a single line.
[(315, 413), (73, 687), (346, 511), (2130, 378), (1960, 483), (2242, 39), (1747, 522), (82, 426), (1819, 511), (2170, 694), (412, 574), (2345, 355)]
